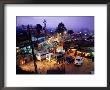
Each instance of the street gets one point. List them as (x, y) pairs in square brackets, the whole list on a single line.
[(44, 66)]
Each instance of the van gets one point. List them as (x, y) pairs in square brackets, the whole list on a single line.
[(40, 56)]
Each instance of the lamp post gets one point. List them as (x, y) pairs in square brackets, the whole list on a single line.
[(32, 46)]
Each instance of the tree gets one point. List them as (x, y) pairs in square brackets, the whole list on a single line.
[(38, 28), (61, 28), (70, 32)]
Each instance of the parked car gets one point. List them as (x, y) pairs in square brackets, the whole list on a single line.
[(78, 60), (59, 57), (69, 60)]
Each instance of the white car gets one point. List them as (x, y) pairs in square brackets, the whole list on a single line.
[(78, 60)]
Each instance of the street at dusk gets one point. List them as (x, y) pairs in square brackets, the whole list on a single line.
[(55, 45)]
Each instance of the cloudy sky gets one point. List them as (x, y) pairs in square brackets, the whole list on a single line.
[(71, 22)]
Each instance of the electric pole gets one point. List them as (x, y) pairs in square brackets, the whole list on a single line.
[(32, 46)]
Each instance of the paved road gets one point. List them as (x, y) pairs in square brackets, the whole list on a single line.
[(43, 66)]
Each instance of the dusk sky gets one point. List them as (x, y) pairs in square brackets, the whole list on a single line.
[(71, 22)]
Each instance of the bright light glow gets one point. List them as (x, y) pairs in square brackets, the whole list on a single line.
[(17, 50), (38, 57), (65, 32), (17, 47), (73, 49)]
